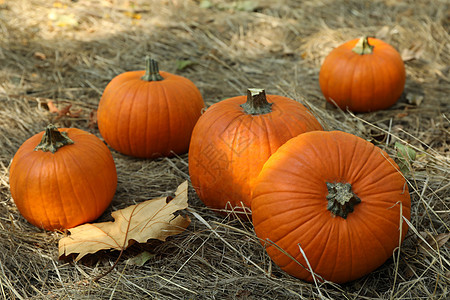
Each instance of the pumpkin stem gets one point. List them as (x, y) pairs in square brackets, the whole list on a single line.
[(256, 103), (53, 139), (151, 70), (363, 47), (341, 199)]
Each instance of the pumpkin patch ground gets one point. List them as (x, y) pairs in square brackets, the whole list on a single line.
[(57, 57)]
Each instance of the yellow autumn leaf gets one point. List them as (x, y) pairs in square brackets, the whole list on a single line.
[(151, 219), (58, 4), (132, 15)]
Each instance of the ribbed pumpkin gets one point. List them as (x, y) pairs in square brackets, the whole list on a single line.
[(149, 113), (232, 140), (363, 75), (338, 197), (62, 178)]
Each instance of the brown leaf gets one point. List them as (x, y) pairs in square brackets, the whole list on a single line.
[(410, 271), (152, 219), (414, 52), (92, 119), (64, 111), (433, 242), (40, 55), (401, 115), (75, 114), (383, 33), (52, 107), (415, 99)]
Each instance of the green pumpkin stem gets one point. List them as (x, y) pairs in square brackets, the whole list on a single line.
[(341, 199), (53, 139), (151, 70), (363, 47), (256, 103)]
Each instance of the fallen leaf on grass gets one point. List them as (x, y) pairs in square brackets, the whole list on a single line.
[(410, 271), (151, 219), (406, 156), (65, 111), (383, 33), (52, 107), (40, 55), (133, 15), (183, 64), (433, 242), (140, 259), (205, 4), (92, 119), (415, 99), (415, 52)]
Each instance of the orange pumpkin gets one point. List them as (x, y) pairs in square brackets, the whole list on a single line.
[(68, 179), (232, 140), (339, 198), (363, 75), (149, 113)]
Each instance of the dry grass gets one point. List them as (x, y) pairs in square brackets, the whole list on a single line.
[(68, 51)]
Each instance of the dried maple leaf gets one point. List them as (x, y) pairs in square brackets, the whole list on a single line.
[(92, 119), (151, 219), (52, 107), (65, 111)]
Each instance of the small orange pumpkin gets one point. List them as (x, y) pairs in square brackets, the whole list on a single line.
[(67, 179), (338, 197), (149, 113), (363, 75), (232, 140)]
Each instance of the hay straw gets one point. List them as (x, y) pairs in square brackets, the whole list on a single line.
[(67, 51)]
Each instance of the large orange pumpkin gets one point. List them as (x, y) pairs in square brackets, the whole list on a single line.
[(67, 179), (363, 75), (232, 140), (149, 113), (339, 198)]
